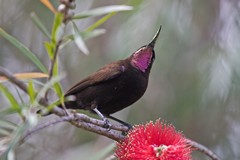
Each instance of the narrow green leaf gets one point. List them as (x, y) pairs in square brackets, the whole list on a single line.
[(31, 92), (58, 89), (57, 86), (57, 33), (85, 35), (50, 49), (16, 136), (55, 68), (51, 106), (23, 50), (102, 10), (10, 98), (56, 30), (78, 39), (100, 21), (40, 25)]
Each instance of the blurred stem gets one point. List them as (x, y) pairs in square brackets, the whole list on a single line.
[(8, 75), (42, 126), (53, 61), (203, 149)]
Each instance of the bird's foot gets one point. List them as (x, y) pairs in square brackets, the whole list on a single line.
[(107, 124), (129, 126), (124, 133)]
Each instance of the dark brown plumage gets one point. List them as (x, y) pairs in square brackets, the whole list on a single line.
[(116, 85)]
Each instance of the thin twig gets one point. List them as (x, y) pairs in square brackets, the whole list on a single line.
[(203, 149), (51, 68), (45, 125), (14, 80), (77, 122), (53, 61), (65, 10)]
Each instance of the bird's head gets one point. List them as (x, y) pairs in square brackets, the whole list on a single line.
[(144, 57)]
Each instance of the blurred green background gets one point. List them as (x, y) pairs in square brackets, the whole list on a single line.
[(194, 83)]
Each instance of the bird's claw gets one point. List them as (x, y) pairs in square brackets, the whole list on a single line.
[(107, 124), (124, 133), (129, 127)]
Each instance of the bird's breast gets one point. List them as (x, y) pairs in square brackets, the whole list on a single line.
[(123, 91)]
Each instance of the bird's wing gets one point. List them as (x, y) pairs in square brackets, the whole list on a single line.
[(106, 73)]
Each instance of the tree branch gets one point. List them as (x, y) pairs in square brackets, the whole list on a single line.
[(14, 80), (91, 125), (203, 149), (42, 126)]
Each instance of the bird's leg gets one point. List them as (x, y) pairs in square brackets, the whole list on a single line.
[(105, 120), (120, 121), (65, 109), (123, 123)]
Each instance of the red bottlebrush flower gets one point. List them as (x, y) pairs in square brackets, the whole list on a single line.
[(153, 142)]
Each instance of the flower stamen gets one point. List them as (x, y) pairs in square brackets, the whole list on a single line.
[(159, 149)]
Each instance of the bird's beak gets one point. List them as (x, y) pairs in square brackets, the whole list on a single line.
[(153, 41)]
